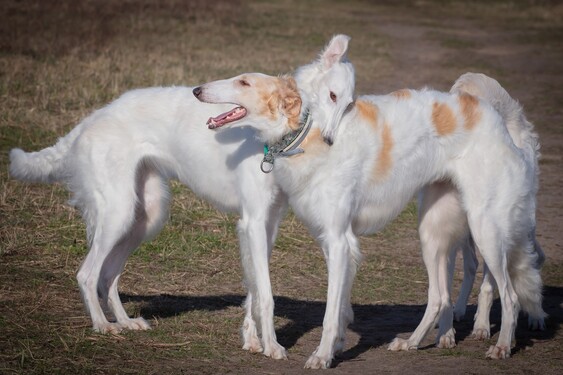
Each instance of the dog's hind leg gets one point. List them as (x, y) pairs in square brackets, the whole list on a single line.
[(481, 327), (111, 271), (115, 226), (87, 278), (536, 316), (436, 261), (107, 234), (442, 224), (489, 241), (151, 212)]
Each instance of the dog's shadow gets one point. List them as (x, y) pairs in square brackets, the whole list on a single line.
[(376, 325)]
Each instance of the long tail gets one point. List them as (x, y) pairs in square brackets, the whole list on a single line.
[(520, 129), (525, 263), (45, 165)]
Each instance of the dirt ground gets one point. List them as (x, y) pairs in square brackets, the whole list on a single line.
[(196, 315)]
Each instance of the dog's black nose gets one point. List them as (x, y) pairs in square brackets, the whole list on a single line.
[(197, 92)]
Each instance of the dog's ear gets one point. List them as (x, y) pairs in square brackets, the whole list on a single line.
[(290, 103), (335, 51), (291, 106)]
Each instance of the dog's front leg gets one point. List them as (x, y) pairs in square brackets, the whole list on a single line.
[(341, 272), (260, 302), (249, 331)]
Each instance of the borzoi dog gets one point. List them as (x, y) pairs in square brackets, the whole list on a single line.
[(365, 158), (117, 163)]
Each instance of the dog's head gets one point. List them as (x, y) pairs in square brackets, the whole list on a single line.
[(271, 105), (327, 85)]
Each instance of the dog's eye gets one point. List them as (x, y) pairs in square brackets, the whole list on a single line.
[(333, 97), (244, 82)]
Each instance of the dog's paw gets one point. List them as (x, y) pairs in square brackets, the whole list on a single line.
[(447, 340), (108, 328), (481, 334), (274, 350), (251, 341), (316, 361), (253, 345), (498, 352), (399, 344), (535, 324), (136, 324)]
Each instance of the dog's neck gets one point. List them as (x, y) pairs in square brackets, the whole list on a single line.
[(288, 145)]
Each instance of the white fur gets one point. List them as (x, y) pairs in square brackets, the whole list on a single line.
[(342, 190), (117, 163)]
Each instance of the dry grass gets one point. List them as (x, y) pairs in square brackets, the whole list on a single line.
[(61, 60)]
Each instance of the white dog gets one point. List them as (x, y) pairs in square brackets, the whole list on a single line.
[(117, 163), (363, 161)]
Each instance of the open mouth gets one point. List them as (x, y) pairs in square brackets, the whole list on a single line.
[(227, 117)]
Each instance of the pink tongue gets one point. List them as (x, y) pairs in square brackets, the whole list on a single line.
[(224, 118)]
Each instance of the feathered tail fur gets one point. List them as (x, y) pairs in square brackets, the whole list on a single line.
[(46, 165)]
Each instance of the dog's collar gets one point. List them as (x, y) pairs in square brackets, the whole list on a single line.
[(287, 146)]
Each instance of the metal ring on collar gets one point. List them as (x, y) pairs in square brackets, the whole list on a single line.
[(264, 169)]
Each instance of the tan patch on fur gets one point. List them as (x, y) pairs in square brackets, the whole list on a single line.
[(384, 159), (314, 142), (470, 110), (443, 119), (402, 94), (313, 145), (368, 111)]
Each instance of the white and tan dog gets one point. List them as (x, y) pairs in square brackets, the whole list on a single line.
[(384, 150)]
